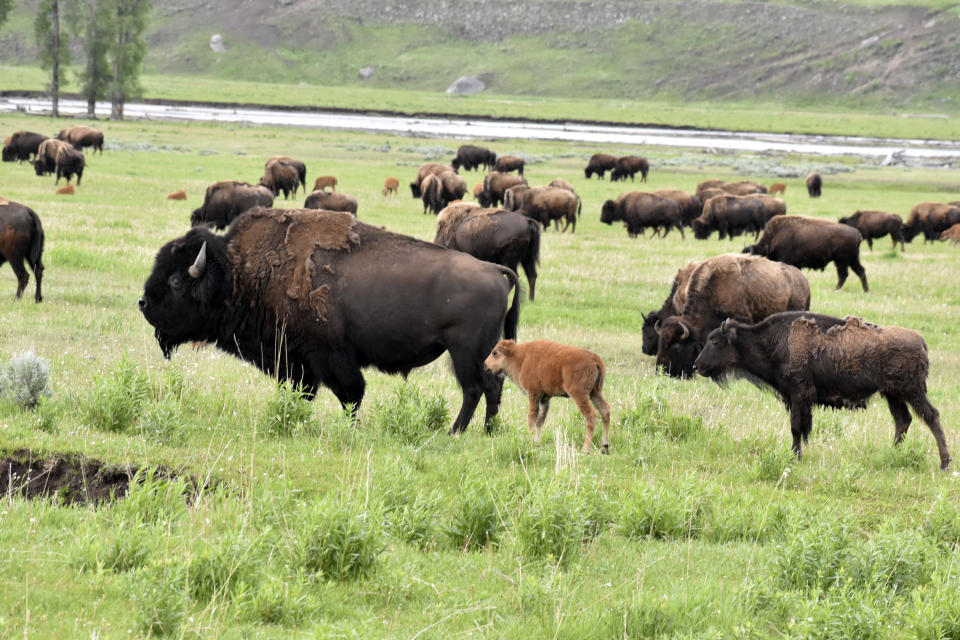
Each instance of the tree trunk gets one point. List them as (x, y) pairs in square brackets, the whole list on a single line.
[(116, 108), (55, 83)]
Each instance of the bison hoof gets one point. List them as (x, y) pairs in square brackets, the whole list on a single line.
[(606, 449)]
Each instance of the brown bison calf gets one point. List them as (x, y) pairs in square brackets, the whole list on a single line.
[(777, 187), (177, 195), (546, 369), (391, 185), (66, 190), (322, 182), (953, 233)]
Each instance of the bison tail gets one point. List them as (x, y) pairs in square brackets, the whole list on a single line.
[(534, 249), (579, 206), (512, 319), (36, 243)]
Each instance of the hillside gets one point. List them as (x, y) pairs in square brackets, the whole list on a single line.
[(881, 57)]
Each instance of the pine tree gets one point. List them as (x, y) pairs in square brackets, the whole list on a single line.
[(93, 23), (52, 46), (127, 51), (5, 7)]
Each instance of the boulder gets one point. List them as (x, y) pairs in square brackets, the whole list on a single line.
[(467, 84)]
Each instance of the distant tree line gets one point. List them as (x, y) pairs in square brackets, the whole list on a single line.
[(110, 33)]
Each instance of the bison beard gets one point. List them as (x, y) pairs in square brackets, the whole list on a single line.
[(305, 296)]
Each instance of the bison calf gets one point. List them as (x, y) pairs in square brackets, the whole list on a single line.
[(322, 182), (391, 185), (546, 369), (177, 195)]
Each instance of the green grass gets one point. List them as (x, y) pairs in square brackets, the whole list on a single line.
[(698, 524)]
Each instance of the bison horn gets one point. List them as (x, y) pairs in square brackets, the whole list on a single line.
[(200, 264), (686, 331), (656, 327)]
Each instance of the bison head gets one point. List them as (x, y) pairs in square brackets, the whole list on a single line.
[(608, 213), (185, 294), (9, 154), (650, 332), (701, 229), (753, 249), (677, 348), (415, 189), (719, 355)]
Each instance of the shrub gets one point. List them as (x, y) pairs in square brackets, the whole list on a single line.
[(841, 614), (942, 524), (409, 515), (773, 462), (475, 521), (162, 422), (286, 412), (26, 379), (338, 542), (410, 416), (654, 417), (738, 517), (663, 512), (226, 569), (118, 397), (276, 601), (151, 500), (812, 555)]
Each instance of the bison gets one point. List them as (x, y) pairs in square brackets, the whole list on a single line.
[(673, 305), (227, 199), (177, 195), (431, 168), (546, 369), (777, 187), (812, 243), (506, 164), (629, 166), (296, 165), (304, 295), (930, 219), (690, 206), (22, 145), (66, 190), (278, 177), (21, 238), (953, 233), (494, 186), (82, 136), (69, 162), (331, 202), (322, 182), (544, 204), (814, 184), (599, 164), (502, 237), (639, 210), (431, 194), (712, 183), (743, 188), (748, 288), (812, 359), (471, 157), (876, 224), (46, 160), (731, 216), (391, 185)]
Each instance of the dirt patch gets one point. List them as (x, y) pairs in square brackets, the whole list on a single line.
[(69, 478)]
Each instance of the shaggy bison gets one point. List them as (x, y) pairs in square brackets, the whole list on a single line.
[(599, 164), (494, 186), (748, 288), (640, 211), (812, 243), (69, 163), (546, 204), (545, 370), (82, 136), (278, 176), (22, 145), (731, 216), (471, 157), (431, 168), (304, 295), (502, 237), (331, 202), (21, 238), (930, 219), (690, 206), (296, 165), (814, 184), (506, 164), (876, 224), (812, 359), (629, 166), (673, 305), (46, 160), (227, 199)]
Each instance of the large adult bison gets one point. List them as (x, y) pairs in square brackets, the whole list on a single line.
[(812, 243), (812, 359), (546, 204), (22, 145), (672, 305), (297, 165), (931, 219), (431, 193), (494, 186), (471, 157), (640, 211), (513, 197), (711, 183), (304, 295), (743, 187), (599, 164), (506, 164), (227, 199), (748, 288), (21, 238), (278, 177), (82, 136), (331, 201), (814, 184), (731, 216), (876, 224), (630, 166), (503, 237), (690, 206), (69, 162), (46, 160), (430, 168)]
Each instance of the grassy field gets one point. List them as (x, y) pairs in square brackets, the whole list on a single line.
[(700, 524)]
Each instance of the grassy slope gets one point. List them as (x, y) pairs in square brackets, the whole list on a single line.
[(711, 574)]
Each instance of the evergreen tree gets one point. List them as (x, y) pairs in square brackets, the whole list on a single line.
[(52, 46), (127, 51), (5, 7), (93, 22)]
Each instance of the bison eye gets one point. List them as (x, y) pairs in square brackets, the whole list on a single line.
[(175, 282)]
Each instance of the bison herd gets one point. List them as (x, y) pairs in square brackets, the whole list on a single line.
[(313, 295)]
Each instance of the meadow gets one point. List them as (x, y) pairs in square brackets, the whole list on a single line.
[(699, 524)]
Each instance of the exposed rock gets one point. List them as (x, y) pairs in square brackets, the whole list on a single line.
[(216, 43), (467, 84), (366, 72)]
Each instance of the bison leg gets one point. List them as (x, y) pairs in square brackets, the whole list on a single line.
[(38, 276), (22, 276), (492, 392), (596, 396), (861, 273), (842, 274), (530, 268), (870, 243), (901, 417), (929, 414), (801, 422), (345, 380), (534, 422), (470, 372)]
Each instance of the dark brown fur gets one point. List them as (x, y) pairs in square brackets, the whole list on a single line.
[(331, 202), (21, 239), (876, 224)]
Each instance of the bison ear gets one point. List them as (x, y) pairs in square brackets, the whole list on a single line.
[(728, 332)]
